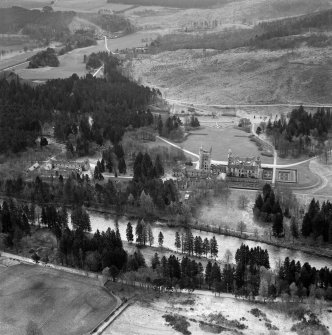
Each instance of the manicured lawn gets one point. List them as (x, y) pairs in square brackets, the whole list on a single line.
[(60, 303), (221, 140)]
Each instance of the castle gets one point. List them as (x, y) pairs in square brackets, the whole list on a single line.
[(248, 167)]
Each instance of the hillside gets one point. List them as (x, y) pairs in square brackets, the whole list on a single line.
[(54, 25), (277, 34), (240, 75), (172, 3)]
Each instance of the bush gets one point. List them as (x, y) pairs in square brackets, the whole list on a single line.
[(310, 324), (44, 58), (267, 154), (178, 322)]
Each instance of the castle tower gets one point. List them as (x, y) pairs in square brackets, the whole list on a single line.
[(204, 159)]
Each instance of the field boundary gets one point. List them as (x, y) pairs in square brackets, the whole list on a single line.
[(101, 327)]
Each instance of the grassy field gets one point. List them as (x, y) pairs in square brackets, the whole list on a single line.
[(73, 61), (60, 303), (88, 5), (221, 140), (24, 3)]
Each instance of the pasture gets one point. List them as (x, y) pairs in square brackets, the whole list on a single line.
[(72, 62), (60, 303)]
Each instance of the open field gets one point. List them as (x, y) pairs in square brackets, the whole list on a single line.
[(60, 303), (221, 140), (240, 76), (147, 319), (72, 62), (29, 4), (65, 5), (87, 5)]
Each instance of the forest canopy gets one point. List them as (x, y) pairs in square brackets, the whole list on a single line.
[(113, 104)]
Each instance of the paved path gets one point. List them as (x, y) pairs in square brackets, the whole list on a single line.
[(274, 165)]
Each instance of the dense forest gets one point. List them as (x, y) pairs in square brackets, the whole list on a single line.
[(173, 3), (113, 104), (248, 277), (272, 35), (301, 133), (147, 194), (44, 58), (317, 221)]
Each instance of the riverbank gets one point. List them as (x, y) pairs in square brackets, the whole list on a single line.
[(168, 224)]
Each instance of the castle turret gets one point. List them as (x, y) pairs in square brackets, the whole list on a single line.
[(204, 159)]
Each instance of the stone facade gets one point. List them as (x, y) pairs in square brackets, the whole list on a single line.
[(204, 159), (249, 167)]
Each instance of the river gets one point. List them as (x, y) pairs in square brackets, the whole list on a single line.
[(102, 222)]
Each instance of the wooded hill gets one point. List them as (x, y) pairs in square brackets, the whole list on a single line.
[(50, 25), (278, 34)]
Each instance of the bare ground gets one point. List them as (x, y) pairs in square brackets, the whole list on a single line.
[(240, 76), (148, 319), (60, 303)]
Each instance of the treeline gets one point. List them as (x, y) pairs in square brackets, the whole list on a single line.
[(112, 103), (15, 222), (321, 20), (173, 3), (79, 39), (317, 221), (191, 245), (249, 277), (277, 34), (40, 25), (170, 127), (44, 58), (302, 133), (109, 22)]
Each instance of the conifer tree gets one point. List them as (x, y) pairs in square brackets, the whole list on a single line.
[(139, 232), (122, 166), (158, 167), (155, 262), (198, 245), (213, 247), (278, 227), (160, 239), (177, 241), (129, 233), (206, 246), (208, 274), (150, 235)]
